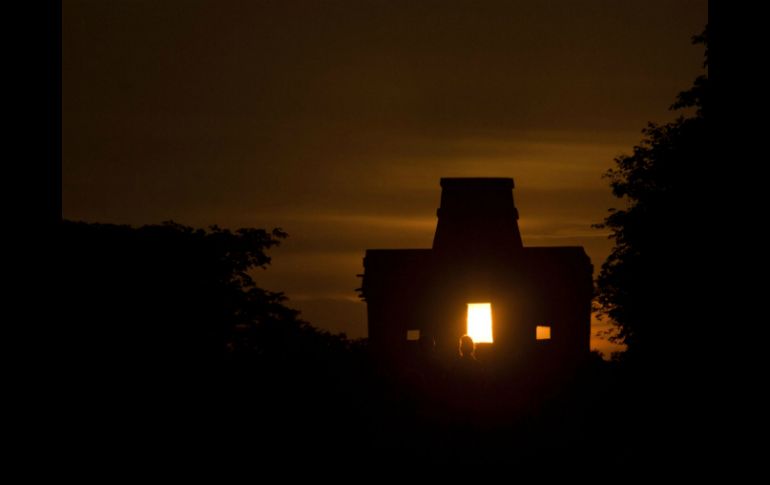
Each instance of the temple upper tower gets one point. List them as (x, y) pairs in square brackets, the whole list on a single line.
[(477, 215)]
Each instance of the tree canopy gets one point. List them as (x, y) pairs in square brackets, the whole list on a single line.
[(648, 286), (173, 296)]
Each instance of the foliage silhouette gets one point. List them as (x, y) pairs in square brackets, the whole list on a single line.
[(649, 284), (174, 340), (655, 286)]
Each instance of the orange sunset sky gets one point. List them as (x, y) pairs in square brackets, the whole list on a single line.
[(335, 120)]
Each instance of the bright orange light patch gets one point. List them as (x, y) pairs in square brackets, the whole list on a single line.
[(542, 332), (480, 322)]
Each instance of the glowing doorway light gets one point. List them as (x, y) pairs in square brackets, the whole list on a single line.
[(480, 322)]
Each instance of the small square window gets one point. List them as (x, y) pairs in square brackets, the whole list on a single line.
[(413, 335), (543, 332)]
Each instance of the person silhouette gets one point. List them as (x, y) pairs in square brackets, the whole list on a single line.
[(468, 350), (428, 377), (468, 383), (427, 344), (467, 368)]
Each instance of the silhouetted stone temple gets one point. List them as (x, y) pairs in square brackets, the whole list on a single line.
[(532, 305)]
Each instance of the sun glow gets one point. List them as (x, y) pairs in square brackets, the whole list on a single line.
[(480, 322)]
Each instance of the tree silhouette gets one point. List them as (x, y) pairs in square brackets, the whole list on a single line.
[(173, 296), (172, 341), (649, 285)]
